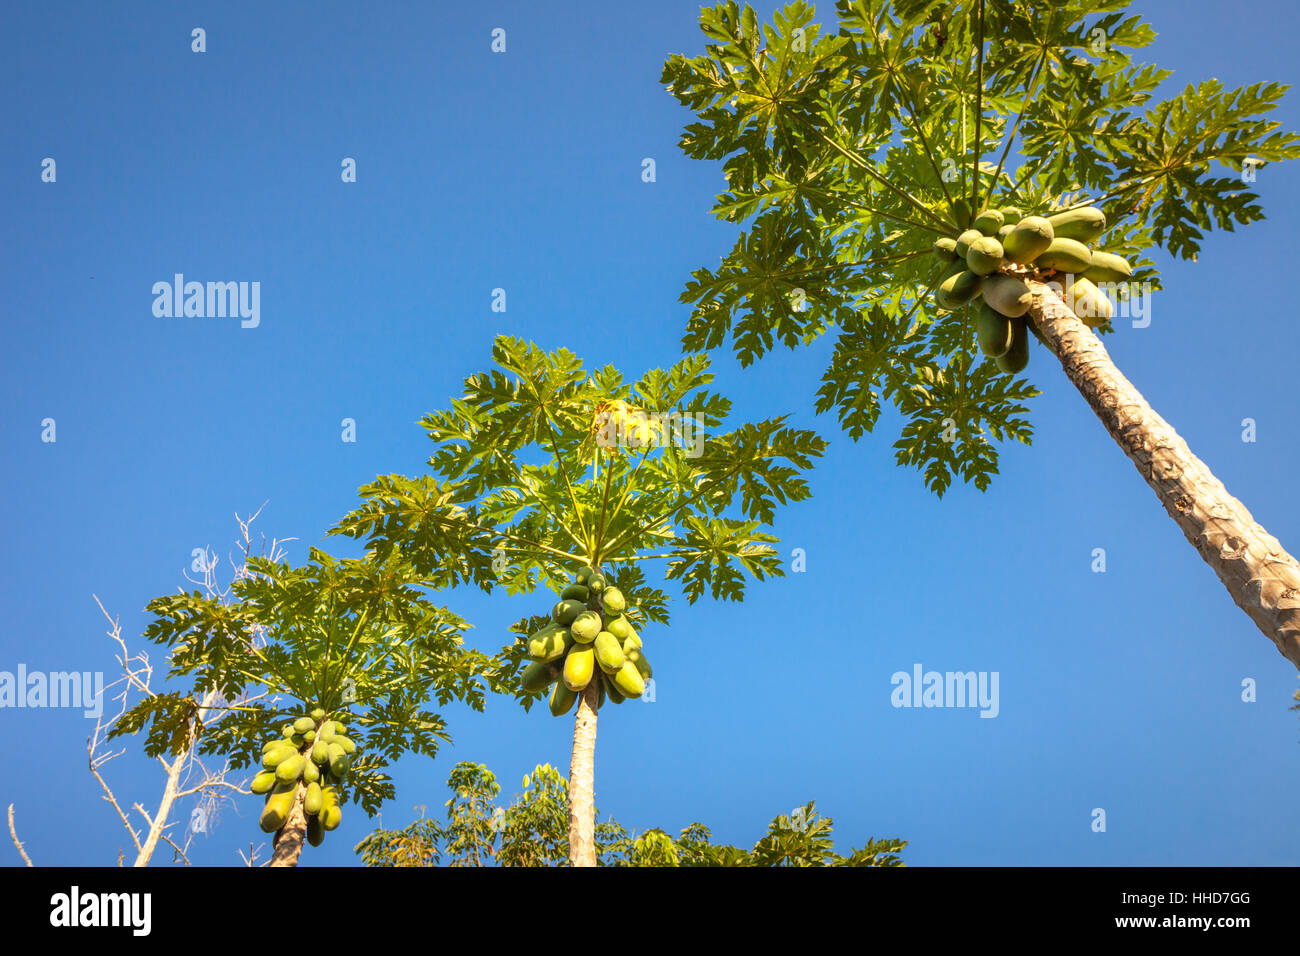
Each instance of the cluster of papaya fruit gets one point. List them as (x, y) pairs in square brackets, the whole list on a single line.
[(998, 246), (589, 639), (315, 753)]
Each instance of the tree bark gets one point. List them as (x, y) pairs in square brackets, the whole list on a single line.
[(1263, 579), (289, 838), (582, 780)]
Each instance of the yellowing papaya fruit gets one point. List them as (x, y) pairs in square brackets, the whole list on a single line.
[(628, 681), (346, 743), (327, 731), (331, 818), (562, 699), (320, 753), (278, 806), (1007, 294), (579, 664), (309, 737), (1088, 302), (312, 802), (945, 248), (340, 728), (1065, 255), (613, 601), (273, 758), (1108, 267), (585, 627), (1017, 356), (1028, 240), (273, 745), (642, 665), (310, 773), (619, 626), (993, 331), (609, 652), (304, 724), (611, 691), (984, 256), (989, 222), (318, 714), (1083, 225), (549, 643), (289, 770), (263, 782)]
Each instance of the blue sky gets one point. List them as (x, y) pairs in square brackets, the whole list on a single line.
[(521, 171)]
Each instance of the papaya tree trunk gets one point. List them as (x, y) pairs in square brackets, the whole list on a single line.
[(1260, 575), (582, 780), (289, 838)]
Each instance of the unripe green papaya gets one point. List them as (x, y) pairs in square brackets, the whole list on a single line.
[(609, 652), (287, 731), (263, 782), (1007, 294), (1065, 255), (319, 714), (309, 737), (273, 744), (325, 731), (1028, 240), (297, 740), (584, 574), (596, 584), (304, 724), (585, 627), (340, 728), (346, 743), (628, 681), (993, 331), (549, 643), (957, 290), (562, 699), (315, 796), (1017, 356), (1083, 225), (984, 256), (642, 665), (310, 773), (273, 758), (339, 766), (989, 222), (331, 818), (579, 664), (1010, 215), (945, 248), (536, 677), (320, 753), (964, 241), (1088, 302), (315, 832), (278, 806), (565, 611), (960, 213), (1005, 231), (619, 626), (612, 600), (1108, 267), (335, 749), (575, 592), (289, 770), (611, 691)]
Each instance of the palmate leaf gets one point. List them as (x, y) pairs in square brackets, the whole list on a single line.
[(844, 154)]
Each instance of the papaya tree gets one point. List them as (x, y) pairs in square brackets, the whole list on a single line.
[(938, 182), (546, 476), (333, 665)]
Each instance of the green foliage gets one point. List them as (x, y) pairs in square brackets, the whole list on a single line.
[(534, 831), (846, 155), (530, 480), (350, 636)]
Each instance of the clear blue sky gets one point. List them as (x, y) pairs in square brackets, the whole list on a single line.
[(1118, 690)]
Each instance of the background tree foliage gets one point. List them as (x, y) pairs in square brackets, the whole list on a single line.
[(845, 154), (533, 831)]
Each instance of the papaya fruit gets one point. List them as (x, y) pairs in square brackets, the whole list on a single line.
[(628, 681), (1007, 294), (1065, 255), (964, 241), (576, 592), (1082, 225), (315, 832), (289, 770), (309, 737), (642, 665), (579, 664), (610, 690), (273, 744), (565, 611), (984, 256), (273, 758), (326, 731), (536, 677), (993, 331), (596, 584), (609, 652), (989, 222), (304, 724), (346, 743), (584, 573), (331, 818), (313, 800), (340, 728), (278, 806), (296, 740), (320, 753), (339, 766), (1088, 302), (960, 213), (945, 248), (1017, 356), (631, 643), (549, 643), (311, 773), (562, 699), (1108, 267), (619, 626), (1028, 240), (263, 782), (1010, 215), (319, 714), (957, 290), (287, 731), (1005, 231), (612, 600), (585, 627)]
